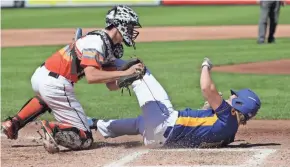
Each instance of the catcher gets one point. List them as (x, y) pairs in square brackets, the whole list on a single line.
[(161, 125), (95, 56)]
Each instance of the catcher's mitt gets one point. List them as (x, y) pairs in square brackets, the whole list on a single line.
[(130, 63), (126, 81)]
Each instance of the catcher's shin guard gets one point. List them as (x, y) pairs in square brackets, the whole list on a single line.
[(33, 108), (66, 136)]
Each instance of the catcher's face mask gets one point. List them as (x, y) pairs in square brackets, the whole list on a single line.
[(132, 34), (126, 21)]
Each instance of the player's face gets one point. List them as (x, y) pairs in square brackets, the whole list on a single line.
[(231, 98), (119, 37)]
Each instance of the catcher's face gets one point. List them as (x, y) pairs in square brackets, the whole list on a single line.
[(115, 35), (119, 37)]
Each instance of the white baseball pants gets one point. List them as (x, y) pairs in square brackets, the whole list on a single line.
[(58, 94), (157, 114)]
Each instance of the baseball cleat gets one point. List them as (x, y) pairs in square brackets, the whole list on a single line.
[(271, 40), (9, 128), (260, 42), (94, 124), (48, 141)]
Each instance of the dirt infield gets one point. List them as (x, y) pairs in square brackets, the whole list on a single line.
[(38, 37), (259, 143), (268, 67)]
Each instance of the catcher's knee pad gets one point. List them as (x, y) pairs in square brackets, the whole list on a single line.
[(71, 137), (33, 108)]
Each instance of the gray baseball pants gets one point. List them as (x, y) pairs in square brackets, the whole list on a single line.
[(268, 10)]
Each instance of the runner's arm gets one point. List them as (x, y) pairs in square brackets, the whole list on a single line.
[(208, 89)]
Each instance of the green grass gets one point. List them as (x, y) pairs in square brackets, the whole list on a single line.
[(174, 64), (149, 16)]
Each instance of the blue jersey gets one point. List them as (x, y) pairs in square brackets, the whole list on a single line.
[(194, 127)]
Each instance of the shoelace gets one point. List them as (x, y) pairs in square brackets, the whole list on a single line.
[(128, 89)]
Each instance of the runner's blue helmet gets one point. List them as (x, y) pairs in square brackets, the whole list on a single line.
[(247, 102)]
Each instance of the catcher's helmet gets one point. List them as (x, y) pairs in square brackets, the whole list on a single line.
[(246, 102), (125, 20)]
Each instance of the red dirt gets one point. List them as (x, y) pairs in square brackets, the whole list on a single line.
[(37, 37), (27, 151), (266, 67)]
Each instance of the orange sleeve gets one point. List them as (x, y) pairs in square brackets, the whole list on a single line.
[(91, 57)]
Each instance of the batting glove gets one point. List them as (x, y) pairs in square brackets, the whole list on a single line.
[(206, 62)]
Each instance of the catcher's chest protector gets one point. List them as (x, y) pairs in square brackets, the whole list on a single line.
[(111, 52), (76, 68)]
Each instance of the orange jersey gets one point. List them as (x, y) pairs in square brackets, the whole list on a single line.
[(90, 52)]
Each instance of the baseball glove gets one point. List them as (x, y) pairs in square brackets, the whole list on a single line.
[(126, 81), (129, 63)]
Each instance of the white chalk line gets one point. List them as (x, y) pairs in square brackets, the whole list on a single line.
[(255, 160), (259, 157), (127, 159)]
